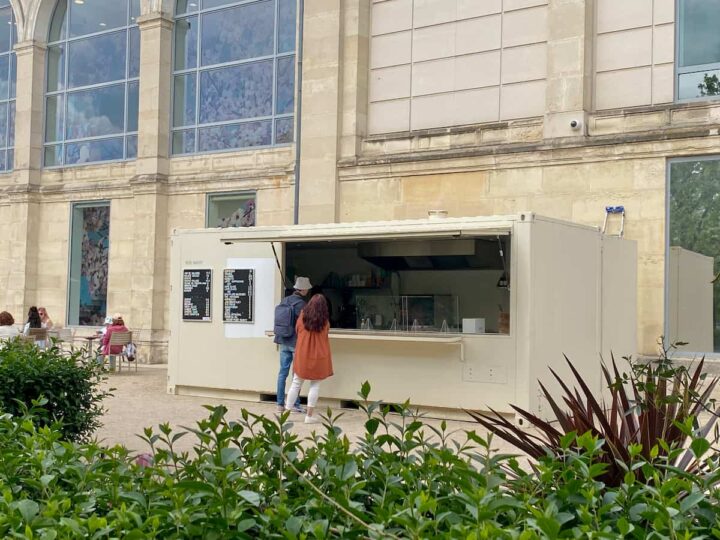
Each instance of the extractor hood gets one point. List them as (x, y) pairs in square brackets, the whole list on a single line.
[(455, 254)]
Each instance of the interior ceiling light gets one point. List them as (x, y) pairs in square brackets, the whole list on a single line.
[(103, 24), (79, 2)]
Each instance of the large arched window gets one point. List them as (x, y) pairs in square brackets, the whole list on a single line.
[(234, 67), (7, 85), (91, 106)]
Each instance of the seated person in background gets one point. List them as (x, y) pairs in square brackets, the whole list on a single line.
[(33, 320), (118, 325), (45, 319), (7, 326)]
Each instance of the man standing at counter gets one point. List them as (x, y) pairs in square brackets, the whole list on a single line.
[(287, 313)]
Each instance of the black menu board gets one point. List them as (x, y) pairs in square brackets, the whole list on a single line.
[(238, 295), (197, 289)]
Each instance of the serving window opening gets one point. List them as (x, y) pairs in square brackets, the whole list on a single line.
[(434, 285)]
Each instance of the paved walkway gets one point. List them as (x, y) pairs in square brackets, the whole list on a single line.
[(141, 400)]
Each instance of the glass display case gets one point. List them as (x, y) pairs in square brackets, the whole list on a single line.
[(408, 313)]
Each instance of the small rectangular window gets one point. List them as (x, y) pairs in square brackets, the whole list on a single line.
[(231, 210), (89, 254), (698, 59)]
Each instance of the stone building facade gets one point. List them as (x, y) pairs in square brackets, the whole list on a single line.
[(407, 106)]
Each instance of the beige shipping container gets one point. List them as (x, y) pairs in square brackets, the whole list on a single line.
[(571, 291)]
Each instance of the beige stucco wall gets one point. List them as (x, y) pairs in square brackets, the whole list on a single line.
[(437, 63), (635, 53), (579, 56)]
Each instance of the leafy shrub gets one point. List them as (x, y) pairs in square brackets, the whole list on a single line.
[(70, 386), (254, 478), (654, 410)]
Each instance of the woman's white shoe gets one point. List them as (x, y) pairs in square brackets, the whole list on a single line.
[(312, 420)]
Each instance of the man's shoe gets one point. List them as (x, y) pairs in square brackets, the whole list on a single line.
[(312, 420), (280, 409)]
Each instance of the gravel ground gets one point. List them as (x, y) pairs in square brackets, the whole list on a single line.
[(140, 400)]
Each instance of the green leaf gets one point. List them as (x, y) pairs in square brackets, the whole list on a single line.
[(245, 524), (229, 455), (691, 501), (250, 496), (699, 447), (293, 525), (29, 509), (365, 390)]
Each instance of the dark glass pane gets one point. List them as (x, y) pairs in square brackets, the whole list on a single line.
[(284, 128), (90, 151), (13, 74), (56, 68), (133, 106), (186, 34), (134, 53), (58, 26), (287, 22), (694, 255), (4, 76), (134, 11), (11, 123), (238, 33), (186, 6), (207, 4), (92, 16), (235, 136), (184, 104), (285, 98), (131, 150), (236, 92), (3, 161), (700, 84), (96, 60), (10, 159), (183, 142), (53, 118), (231, 211), (53, 156), (5, 29), (700, 39), (3, 125), (100, 111)]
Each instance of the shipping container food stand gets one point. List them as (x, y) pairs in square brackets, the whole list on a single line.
[(450, 313)]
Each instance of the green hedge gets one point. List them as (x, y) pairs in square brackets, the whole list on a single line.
[(70, 386), (254, 478)]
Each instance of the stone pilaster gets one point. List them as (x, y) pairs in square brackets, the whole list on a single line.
[(148, 278), (569, 67), (20, 267), (355, 75), (29, 107), (321, 88), (155, 94)]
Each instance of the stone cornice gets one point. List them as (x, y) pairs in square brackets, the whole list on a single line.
[(155, 20), (29, 46)]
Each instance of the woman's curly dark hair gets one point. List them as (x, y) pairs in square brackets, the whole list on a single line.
[(315, 314), (6, 319)]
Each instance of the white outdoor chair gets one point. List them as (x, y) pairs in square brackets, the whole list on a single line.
[(118, 339)]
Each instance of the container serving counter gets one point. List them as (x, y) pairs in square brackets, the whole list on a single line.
[(546, 288)]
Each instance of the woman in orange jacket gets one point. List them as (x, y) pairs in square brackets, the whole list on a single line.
[(313, 360)]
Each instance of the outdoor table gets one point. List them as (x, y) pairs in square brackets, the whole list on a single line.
[(89, 345)]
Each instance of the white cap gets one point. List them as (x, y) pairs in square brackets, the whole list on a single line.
[(302, 284)]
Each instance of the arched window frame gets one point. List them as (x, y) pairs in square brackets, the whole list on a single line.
[(186, 136), (8, 62), (56, 149)]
